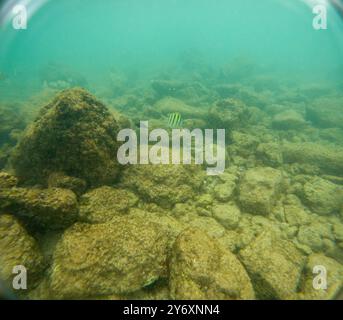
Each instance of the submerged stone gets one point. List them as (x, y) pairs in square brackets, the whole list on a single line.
[(74, 134), (103, 204), (322, 196), (7, 180), (18, 248), (274, 265), (118, 257), (46, 209), (259, 189), (200, 268)]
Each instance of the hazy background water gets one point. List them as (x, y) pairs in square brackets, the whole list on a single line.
[(143, 35)]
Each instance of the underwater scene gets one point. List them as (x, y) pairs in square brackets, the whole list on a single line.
[(171, 149)]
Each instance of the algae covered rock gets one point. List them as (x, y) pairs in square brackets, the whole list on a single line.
[(18, 248), (288, 120), (46, 209), (74, 134), (316, 235), (274, 265), (322, 196), (164, 185), (326, 112), (104, 203), (60, 180), (259, 189), (7, 180), (329, 159), (229, 114), (270, 154), (118, 257), (228, 215), (200, 268)]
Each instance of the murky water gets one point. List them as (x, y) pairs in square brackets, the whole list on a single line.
[(82, 224)]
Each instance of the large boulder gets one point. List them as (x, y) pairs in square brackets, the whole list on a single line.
[(45, 209), (274, 265), (18, 248), (118, 257), (200, 268), (74, 134), (259, 189)]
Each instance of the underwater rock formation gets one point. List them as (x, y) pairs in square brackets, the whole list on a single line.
[(74, 134), (321, 196), (118, 257), (164, 185), (45, 209), (326, 112), (274, 265), (228, 114), (7, 180), (259, 189), (228, 215), (289, 120), (170, 105), (329, 159), (102, 204), (200, 268), (18, 248), (60, 180)]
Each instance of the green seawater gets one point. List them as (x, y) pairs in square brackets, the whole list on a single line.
[(258, 69)]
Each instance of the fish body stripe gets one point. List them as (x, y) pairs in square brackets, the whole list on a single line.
[(174, 120)]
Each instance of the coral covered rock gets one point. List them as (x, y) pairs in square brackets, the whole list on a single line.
[(102, 204), (18, 248), (122, 256), (274, 265), (200, 268), (74, 134), (42, 208), (259, 189)]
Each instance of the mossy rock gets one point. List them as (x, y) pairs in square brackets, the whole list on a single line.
[(74, 134), (200, 268)]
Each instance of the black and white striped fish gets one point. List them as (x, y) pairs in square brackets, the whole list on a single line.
[(175, 120)]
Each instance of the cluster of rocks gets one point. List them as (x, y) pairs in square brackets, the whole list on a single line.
[(87, 228)]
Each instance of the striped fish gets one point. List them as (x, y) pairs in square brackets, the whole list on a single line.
[(174, 120)]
